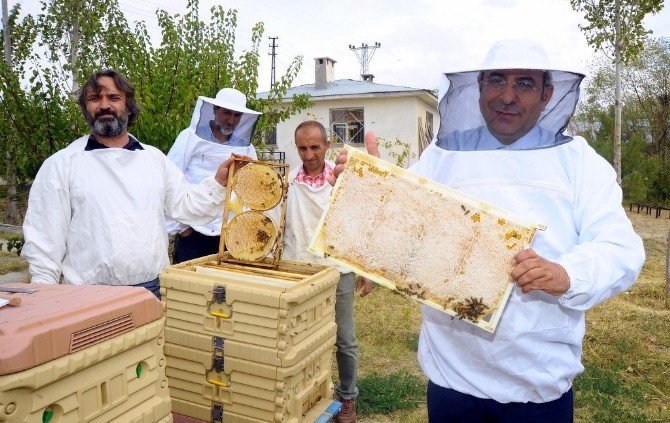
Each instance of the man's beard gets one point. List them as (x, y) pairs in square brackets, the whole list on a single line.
[(222, 130), (108, 126), (225, 132)]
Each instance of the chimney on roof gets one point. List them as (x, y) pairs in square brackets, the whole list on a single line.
[(324, 71), (367, 77)]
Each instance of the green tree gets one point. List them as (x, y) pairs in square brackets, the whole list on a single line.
[(53, 52), (77, 34), (646, 128), (35, 118), (615, 27), (195, 59)]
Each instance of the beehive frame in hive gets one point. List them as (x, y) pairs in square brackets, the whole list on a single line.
[(429, 242), (234, 207)]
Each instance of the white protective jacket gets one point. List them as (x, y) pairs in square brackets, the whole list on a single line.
[(198, 155), (304, 207), (98, 216), (535, 353)]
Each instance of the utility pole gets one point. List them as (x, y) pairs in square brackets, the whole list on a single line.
[(364, 54), (273, 46)]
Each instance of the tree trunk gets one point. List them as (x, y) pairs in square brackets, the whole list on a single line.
[(667, 274), (12, 215), (12, 210), (7, 34), (617, 96), (74, 54)]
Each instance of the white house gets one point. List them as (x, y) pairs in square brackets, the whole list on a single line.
[(349, 108)]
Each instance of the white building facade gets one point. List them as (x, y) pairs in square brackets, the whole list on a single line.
[(402, 117)]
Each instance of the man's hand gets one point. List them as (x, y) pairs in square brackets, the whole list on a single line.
[(533, 272), (364, 285), (222, 172), (371, 146)]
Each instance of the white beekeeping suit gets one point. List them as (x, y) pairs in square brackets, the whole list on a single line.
[(545, 176), (198, 154)]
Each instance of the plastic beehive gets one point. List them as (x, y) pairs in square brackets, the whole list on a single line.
[(83, 354), (246, 388), (249, 344)]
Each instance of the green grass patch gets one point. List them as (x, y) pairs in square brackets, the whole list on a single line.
[(10, 235), (602, 395), (9, 262), (383, 394)]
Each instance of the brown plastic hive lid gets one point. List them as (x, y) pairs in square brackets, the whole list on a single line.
[(430, 242), (57, 320)]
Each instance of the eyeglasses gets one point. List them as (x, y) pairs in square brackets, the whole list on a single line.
[(520, 87)]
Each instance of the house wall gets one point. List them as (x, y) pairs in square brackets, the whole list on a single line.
[(388, 117)]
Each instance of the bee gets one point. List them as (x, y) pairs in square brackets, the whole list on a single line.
[(465, 210), (471, 309), (417, 290)]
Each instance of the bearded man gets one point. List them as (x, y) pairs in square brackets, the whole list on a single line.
[(220, 127), (96, 208)]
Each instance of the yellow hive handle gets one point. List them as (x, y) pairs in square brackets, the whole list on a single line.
[(223, 315), (218, 383)]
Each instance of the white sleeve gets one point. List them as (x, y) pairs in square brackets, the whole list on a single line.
[(609, 255), (46, 223), (251, 152), (179, 155), (191, 204)]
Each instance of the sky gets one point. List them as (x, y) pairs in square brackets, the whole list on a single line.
[(420, 39)]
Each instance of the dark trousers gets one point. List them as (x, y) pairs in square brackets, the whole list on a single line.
[(193, 246), (446, 405), (153, 286)]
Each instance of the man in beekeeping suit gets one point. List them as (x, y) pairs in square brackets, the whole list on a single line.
[(502, 140), (96, 211), (220, 127)]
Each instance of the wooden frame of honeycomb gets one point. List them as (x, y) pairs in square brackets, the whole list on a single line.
[(235, 207), (429, 242)]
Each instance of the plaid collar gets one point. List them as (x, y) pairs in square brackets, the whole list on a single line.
[(317, 181)]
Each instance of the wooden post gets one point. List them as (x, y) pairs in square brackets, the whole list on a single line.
[(667, 273)]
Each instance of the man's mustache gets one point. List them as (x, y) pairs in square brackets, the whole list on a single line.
[(105, 112), (505, 108)]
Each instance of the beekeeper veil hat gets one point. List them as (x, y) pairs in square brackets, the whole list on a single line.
[(231, 99), (460, 114)]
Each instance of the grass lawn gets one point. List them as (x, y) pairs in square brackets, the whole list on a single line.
[(626, 350)]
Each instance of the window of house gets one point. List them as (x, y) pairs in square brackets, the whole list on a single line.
[(347, 126), (271, 137), (429, 124)]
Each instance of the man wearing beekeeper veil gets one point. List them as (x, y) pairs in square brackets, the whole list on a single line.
[(220, 127), (502, 140)]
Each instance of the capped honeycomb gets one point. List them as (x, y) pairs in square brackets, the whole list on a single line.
[(429, 242)]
